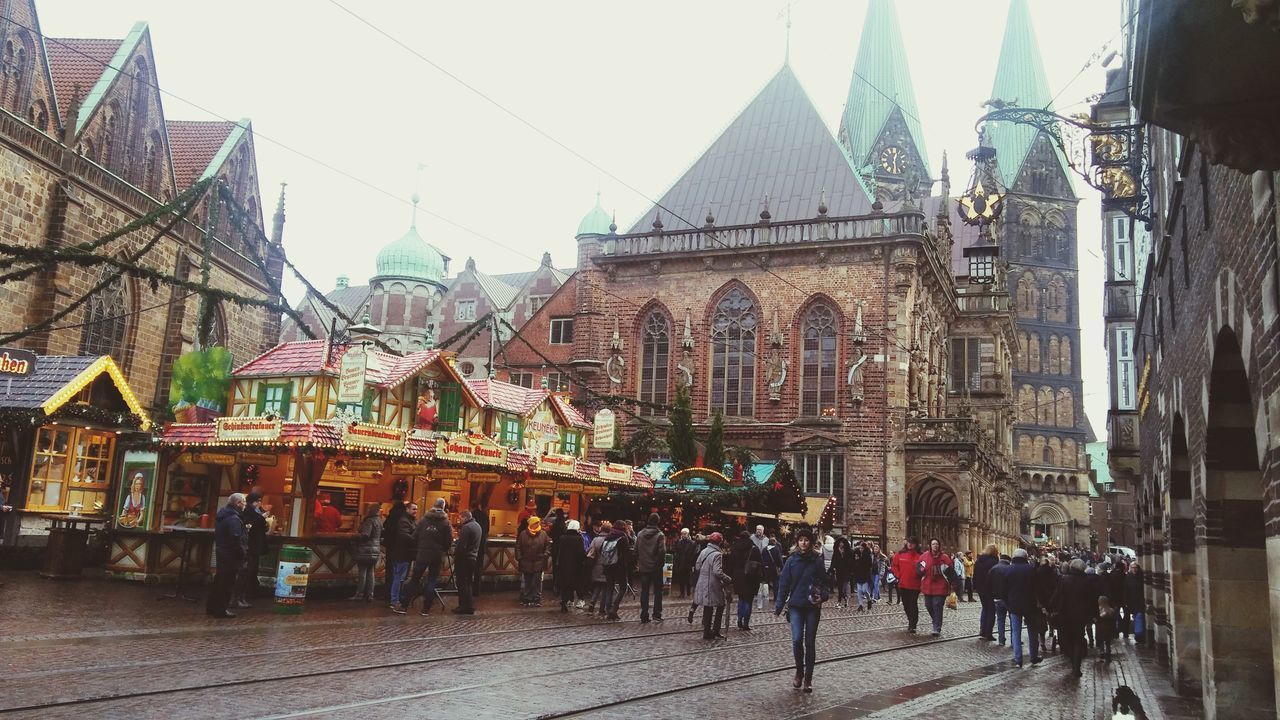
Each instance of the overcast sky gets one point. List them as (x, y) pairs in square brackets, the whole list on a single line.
[(638, 88)]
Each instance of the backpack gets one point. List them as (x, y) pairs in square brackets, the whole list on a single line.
[(609, 553)]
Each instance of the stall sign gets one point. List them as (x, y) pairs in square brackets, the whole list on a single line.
[(242, 429), (569, 487), (611, 472), (541, 430), (450, 474), (408, 468), (137, 483), (556, 464), (365, 464), (259, 459), (595, 490), (603, 429), (543, 484), (351, 376), (477, 449), (17, 363), (211, 458), (371, 435), (484, 477)]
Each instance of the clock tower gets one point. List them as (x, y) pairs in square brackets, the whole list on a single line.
[(880, 129)]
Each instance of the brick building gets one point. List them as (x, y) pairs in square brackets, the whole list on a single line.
[(1206, 342), (85, 148), (803, 286)]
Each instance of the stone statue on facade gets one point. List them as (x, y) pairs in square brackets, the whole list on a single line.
[(854, 378), (776, 369), (616, 364), (685, 366)]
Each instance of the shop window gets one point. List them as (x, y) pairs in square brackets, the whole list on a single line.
[(273, 398), (561, 330), (821, 474), (70, 469), (571, 443), (510, 431)]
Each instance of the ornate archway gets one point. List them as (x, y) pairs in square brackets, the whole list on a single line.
[(933, 510)]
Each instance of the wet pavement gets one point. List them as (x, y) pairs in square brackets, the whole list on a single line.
[(93, 648)]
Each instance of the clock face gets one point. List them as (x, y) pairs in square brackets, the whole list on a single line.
[(894, 160)]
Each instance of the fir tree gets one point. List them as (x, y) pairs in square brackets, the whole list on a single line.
[(684, 453), (713, 457)]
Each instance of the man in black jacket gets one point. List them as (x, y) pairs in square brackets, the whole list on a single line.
[(998, 579), (685, 554), (231, 545), (465, 552), (1075, 602), (255, 526), (651, 554), (982, 583), (1020, 597), (433, 537)]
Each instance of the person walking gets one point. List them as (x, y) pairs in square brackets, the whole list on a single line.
[(571, 566), (255, 526), (432, 538), (532, 548), (745, 561), (982, 567), (651, 555), (903, 567), (1046, 579), (958, 576), (935, 582), (709, 592), (686, 552), (1134, 601), (480, 514), (1023, 610), (773, 560), (596, 567), (878, 565), (969, 566), (368, 543), (1115, 591), (768, 569), (465, 559), (998, 579), (401, 551), (803, 588), (1105, 627), (231, 546), (841, 571), (615, 559), (1074, 606), (860, 573)]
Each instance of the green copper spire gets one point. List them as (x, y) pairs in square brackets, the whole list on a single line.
[(1020, 81), (881, 85)]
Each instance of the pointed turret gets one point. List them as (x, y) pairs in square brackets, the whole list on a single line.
[(880, 129), (277, 222), (1020, 81)]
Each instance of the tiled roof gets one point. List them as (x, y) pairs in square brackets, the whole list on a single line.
[(193, 144), (777, 146), (507, 397), (53, 372), (881, 84), (77, 63), (570, 413), (307, 357)]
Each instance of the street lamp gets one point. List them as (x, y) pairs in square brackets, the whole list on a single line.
[(980, 205)]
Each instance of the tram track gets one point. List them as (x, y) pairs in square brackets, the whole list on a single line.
[(99, 699)]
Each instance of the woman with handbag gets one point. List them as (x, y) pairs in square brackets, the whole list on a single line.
[(746, 567), (803, 588)]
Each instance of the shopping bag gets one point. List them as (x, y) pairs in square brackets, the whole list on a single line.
[(952, 602), (1139, 624)]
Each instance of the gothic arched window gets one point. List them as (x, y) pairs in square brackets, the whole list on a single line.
[(655, 359), (733, 354), (106, 320), (819, 366), (1057, 301)]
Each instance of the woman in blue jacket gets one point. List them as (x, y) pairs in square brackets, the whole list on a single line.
[(803, 588)]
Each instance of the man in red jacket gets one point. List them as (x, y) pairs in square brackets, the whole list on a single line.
[(903, 566), (935, 582)]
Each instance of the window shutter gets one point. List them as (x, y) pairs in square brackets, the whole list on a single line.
[(366, 405), (450, 406), (262, 399), (286, 390)]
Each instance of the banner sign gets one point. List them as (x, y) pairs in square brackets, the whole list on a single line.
[(260, 459), (370, 435), (248, 429), (17, 363), (556, 464), (408, 469), (484, 477), (610, 472), (351, 376), (477, 449), (603, 432)]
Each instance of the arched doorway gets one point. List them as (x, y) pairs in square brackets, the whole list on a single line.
[(933, 510), (1049, 521), (1183, 584), (1233, 558)]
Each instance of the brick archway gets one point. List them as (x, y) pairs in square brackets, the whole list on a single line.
[(933, 510)]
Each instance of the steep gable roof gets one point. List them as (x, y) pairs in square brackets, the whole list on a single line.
[(76, 65), (881, 84), (777, 146), (193, 144)]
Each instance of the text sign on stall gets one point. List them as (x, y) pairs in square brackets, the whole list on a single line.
[(476, 477), (612, 472), (603, 429), (595, 490), (541, 484), (17, 363), (351, 376), (449, 474), (555, 464), (569, 487), (365, 465), (408, 468), (476, 449), (371, 435), (247, 429), (213, 458), (260, 459)]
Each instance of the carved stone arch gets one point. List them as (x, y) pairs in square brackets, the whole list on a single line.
[(1050, 514), (1057, 302), (38, 115), (934, 509), (1070, 453), (1028, 297), (1029, 223), (1027, 404), (1035, 354), (1054, 446), (1045, 412), (1026, 449), (1053, 366), (1067, 358), (1065, 408), (1038, 447)]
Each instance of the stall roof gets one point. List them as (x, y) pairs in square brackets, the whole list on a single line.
[(521, 400), (307, 357), (59, 378), (657, 471)]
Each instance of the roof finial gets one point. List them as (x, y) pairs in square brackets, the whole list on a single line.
[(822, 202), (277, 222), (786, 58), (764, 209), (613, 223), (417, 197)]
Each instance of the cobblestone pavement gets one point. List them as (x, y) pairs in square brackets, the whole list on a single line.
[(94, 648)]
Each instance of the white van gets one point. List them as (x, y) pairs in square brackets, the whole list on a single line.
[(1122, 550)]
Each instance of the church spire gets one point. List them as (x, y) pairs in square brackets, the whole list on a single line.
[(1020, 81), (277, 222), (881, 111)]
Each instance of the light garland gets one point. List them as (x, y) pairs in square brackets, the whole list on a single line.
[(87, 376)]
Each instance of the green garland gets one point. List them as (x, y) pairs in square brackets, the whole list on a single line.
[(34, 417)]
